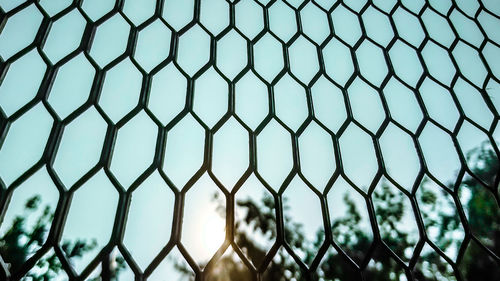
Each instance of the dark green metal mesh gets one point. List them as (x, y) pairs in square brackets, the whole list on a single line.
[(403, 98)]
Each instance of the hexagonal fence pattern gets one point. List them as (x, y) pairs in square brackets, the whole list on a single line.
[(250, 140)]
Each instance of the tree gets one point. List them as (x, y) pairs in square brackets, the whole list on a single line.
[(438, 205), (21, 241), (483, 215), (482, 211)]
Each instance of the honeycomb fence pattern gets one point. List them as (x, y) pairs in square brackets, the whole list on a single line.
[(350, 83)]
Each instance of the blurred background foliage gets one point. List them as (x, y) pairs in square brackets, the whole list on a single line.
[(475, 248)]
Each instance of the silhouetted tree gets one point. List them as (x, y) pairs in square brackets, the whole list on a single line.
[(483, 216), (21, 241), (482, 211), (480, 206)]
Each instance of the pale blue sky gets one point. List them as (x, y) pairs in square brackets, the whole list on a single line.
[(93, 207)]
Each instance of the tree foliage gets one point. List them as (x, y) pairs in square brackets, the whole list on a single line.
[(442, 223), (447, 232), (22, 240)]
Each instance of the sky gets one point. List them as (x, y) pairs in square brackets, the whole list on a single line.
[(295, 95)]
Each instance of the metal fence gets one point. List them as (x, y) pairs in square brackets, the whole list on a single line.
[(348, 83)]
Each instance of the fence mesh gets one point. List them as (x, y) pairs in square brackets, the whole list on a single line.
[(249, 140)]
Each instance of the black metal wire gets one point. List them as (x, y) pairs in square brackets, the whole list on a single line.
[(104, 162)]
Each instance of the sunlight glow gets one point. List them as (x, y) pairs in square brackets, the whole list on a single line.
[(204, 225), (212, 231)]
